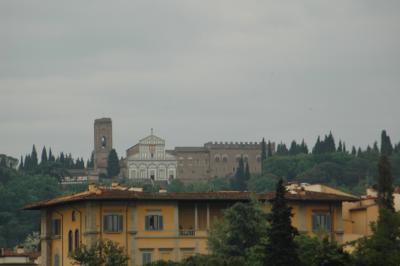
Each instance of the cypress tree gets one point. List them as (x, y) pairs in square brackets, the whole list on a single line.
[(304, 148), (281, 249), (44, 155), (113, 164), (51, 156), (21, 164), (317, 147), (269, 149), (375, 147), (247, 172), (238, 181), (263, 150), (385, 184), (34, 158), (340, 147), (293, 148), (386, 144), (359, 152), (344, 147), (353, 151)]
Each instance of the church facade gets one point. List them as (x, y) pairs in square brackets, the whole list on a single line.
[(148, 160)]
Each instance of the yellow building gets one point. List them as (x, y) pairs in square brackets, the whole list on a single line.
[(358, 215), (167, 226)]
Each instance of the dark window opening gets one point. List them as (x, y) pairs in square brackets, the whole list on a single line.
[(154, 222), (70, 241), (56, 227), (76, 238), (113, 223)]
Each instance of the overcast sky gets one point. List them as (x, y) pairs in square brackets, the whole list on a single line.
[(197, 71)]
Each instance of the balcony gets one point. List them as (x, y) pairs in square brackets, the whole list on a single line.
[(187, 232)]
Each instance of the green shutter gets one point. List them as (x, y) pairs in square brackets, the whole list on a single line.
[(120, 224)]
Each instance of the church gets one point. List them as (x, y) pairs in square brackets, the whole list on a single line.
[(149, 160)]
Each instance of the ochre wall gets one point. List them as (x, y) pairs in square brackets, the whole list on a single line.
[(167, 243)]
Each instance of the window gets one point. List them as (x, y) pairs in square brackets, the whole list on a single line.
[(70, 241), (73, 216), (112, 223), (217, 158), (321, 221), (56, 227), (103, 142), (153, 222), (146, 257), (76, 238), (225, 159), (56, 260)]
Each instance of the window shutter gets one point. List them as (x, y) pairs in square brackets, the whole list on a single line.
[(120, 224), (314, 222), (160, 222), (328, 222), (147, 223), (105, 223)]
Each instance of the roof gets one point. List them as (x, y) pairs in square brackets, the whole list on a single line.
[(120, 193)]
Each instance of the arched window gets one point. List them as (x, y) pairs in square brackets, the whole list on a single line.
[(73, 216), (217, 158), (103, 142), (76, 238), (225, 158), (70, 241)]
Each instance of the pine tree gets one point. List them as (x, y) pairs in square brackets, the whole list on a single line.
[(281, 249), (263, 150), (51, 156), (44, 156), (34, 158), (113, 164), (386, 144), (385, 184)]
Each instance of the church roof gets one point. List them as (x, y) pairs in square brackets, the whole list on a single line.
[(152, 139)]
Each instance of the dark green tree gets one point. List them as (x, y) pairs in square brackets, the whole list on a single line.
[(340, 147), (113, 164), (51, 156), (269, 151), (238, 181), (240, 237), (316, 252), (263, 150), (281, 249), (34, 158), (103, 253), (43, 156), (385, 184), (383, 247), (21, 164), (386, 144), (247, 174), (353, 151)]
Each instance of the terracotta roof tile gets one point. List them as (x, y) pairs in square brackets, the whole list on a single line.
[(125, 194)]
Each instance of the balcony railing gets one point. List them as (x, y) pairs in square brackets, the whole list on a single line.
[(187, 232)]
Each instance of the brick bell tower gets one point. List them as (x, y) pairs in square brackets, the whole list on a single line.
[(102, 143)]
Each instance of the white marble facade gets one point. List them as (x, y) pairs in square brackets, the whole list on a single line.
[(148, 160)]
